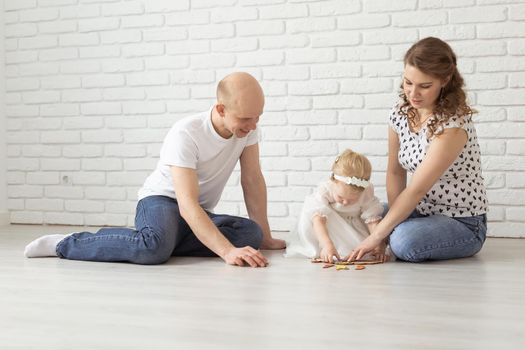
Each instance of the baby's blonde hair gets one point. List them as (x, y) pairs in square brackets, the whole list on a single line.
[(350, 163)]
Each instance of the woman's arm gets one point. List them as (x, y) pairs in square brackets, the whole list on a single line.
[(442, 152), (396, 175)]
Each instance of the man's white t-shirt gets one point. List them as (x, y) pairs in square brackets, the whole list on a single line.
[(193, 143)]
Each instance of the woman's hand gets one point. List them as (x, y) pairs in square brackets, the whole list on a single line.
[(370, 244)]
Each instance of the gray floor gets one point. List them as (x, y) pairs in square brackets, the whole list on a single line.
[(475, 303)]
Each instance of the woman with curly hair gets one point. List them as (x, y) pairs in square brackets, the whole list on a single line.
[(441, 212)]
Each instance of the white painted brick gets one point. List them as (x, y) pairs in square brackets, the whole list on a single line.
[(99, 51), (144, 107), (342, 39), (12, 5), (126, 122), (122, 65), (83, 151), (103, 80), (139, 164), (100, 108), (501, 30), (83, 39), (104, 219), (208, 4), (63, 192), (82, 206), (139, 136), (105, 164), (516, 113), (481, 81), (21, 57), (255, 59), (478, 15), (135, 178), (187, 47), (88, 178), (334, 132), (212, 61), (20, 30), (360, 22), (81, 95), (283, 11), (121, 207), (80, 67), (516, 147), (101, 136), (313, 88), (49, 3), (501, 98), (44, 204), (15, 204), (26, 217), (80, 11), (146, 79), (171, 92), (337, 101), (58, 54), (492, 147), (166, 6), (13, 98), (56, 27), (142, 21), (21, 111), (117, 9), (41, 151), (40, 97), (81, 123), (318, 117), (105, 193), (494, 180), (334, 8), (22, 84), (307, 149), (450, 32), (98, 24), (335, 70), (390, 6), (292, 41), (308, 25), (498, 163), (423, 19), (515, 214), (321, 55), (258, 28), (390, 36), (213, 31), (60, 137), (366, 86), (228, 15), (59, 164), (120, 36), (37, 15), (125, 93), (63, 218), (189, 18), (23, 164), (38, 42)]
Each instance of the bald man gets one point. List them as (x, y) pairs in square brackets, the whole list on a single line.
[(174, 215)]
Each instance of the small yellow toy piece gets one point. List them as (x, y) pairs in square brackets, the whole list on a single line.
[(340, 267)]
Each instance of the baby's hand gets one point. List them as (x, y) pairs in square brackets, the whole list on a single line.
[(328, 252)]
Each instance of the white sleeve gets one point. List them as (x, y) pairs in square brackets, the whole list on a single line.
[(179, 149), (253, 137), (371, 209)]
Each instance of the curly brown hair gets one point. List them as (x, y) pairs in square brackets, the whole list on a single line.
[(435, 57)]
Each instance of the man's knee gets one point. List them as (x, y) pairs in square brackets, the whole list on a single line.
[(252, 234)]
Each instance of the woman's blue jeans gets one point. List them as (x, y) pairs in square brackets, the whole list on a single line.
[(438, 237), (160, 232)]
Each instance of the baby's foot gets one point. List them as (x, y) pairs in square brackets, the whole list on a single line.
[(43, 246)]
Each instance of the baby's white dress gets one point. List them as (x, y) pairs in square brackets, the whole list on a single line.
[(346, 225)]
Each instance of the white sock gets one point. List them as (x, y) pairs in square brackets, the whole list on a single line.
[(43, 246)]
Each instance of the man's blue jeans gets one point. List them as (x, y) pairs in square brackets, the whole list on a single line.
[(160, 232), (438, 237)]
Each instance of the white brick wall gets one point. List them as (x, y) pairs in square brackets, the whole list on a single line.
[(92, 86), (4, 215)]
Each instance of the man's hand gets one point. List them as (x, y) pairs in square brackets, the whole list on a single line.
[(273, 244), (245, 255)]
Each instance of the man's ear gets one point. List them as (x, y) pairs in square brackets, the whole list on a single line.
[(220, 109)]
